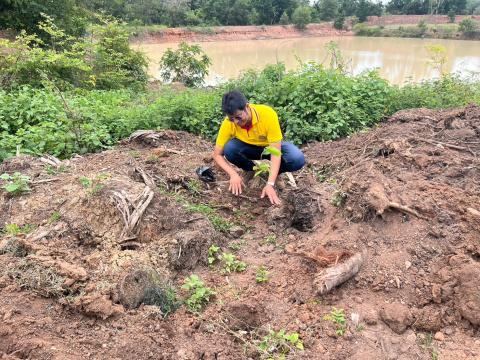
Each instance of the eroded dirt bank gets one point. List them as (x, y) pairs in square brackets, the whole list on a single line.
[(111, 232), (225, 33)]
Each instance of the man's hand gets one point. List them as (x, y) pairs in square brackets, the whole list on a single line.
[(236, 184), (269, 191)]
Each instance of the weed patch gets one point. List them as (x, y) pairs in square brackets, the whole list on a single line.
[(261, 275), (278, 344), (16, 184), (198, 294)]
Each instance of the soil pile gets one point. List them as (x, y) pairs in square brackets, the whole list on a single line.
[(374, 255)]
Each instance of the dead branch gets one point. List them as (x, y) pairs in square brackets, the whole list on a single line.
[(43, 181), (131, 211), (50, 160), (451, 146), (332, 277)]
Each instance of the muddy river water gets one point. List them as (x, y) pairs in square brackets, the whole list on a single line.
[(399, 60)]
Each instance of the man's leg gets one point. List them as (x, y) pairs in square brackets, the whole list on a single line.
[(241, 154), (292, 158)]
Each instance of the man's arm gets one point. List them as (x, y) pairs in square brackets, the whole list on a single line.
[(269, 189), (236, 181)]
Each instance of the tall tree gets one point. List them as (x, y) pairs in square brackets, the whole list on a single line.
[(327, 9)]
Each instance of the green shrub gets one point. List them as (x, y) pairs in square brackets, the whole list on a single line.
[(467, 26), (103, 61), (302, 16), (188, 65)]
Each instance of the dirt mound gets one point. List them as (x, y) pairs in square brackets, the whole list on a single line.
[(375, 254)]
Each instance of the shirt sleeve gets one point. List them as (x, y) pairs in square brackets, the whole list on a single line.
[(224, 134), (274, 133)]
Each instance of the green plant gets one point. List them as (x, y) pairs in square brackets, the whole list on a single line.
[(437, 57), (261, 275), (231, 264), (198, 294), (427, 344), (15, 229), (467, 26), (212, 254), (54, 217), (281, 343), (270, 240), (236, 245), (188, 64), (337, 317), (16, 184), (95, 185), (302, 16)]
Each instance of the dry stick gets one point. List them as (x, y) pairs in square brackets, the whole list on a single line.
[(331, 277), (43, 181), (451, 146)]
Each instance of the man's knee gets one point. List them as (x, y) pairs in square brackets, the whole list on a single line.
[(294, 158), (230, 151)]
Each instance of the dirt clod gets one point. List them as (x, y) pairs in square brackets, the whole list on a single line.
[(397, 316)]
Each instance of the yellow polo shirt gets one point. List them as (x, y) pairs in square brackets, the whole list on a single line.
[(265, 128)]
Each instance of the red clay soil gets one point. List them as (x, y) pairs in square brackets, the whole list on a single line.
[(404, 196)]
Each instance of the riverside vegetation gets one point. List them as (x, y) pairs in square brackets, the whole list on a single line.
[(73, 96)]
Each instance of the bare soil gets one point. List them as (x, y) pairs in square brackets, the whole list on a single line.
[(88, 281)]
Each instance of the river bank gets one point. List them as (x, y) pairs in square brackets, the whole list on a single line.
[(233, 33)]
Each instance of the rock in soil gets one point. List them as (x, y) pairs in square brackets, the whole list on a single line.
[(397, 316), (468, 293)]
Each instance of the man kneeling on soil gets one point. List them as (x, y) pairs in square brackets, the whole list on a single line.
[(246, 130)]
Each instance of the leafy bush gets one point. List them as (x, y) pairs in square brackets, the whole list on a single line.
[(467, 26), (16, 184), (67, 62), (302, 16), (188, 65)]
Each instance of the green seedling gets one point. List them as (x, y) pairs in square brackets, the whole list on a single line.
[(212, 254), (262, 275), (337, 317), (280, 343), (231, 264), (16, 184), (263, 167), (198, 294)]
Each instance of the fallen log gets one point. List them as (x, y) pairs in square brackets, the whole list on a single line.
[(334, 276)]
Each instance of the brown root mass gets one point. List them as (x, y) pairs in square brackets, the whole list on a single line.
[(93, 278)]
